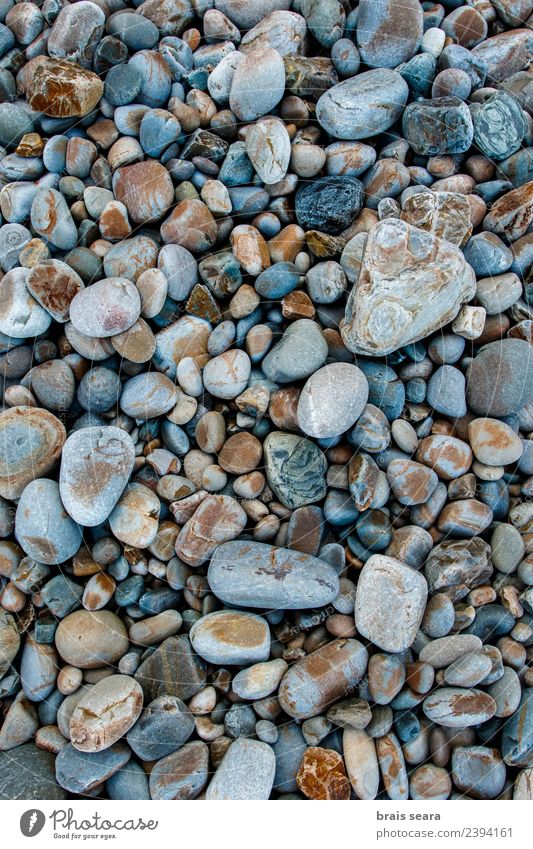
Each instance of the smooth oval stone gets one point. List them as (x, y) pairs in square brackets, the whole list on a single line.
[(448, 456), (324, 676), (392, 766), (363, 106), (21, 315), (43, 527), (145, 189), (298, 354), (33, 439), (295, 469), (506, 692), (95, 468), (135, 519), (106, 308), (390, 603), (361, 761), (329, 204), (181, 775), (90, 639), (38, 669), (105, 713), (269, 149), (164, 726), (446, 650), (27, 772), (246, 772), (253, 574), (386, 677), (500, 378), (468, 670), (148, 395), (332, 400), (387, 33), (258, 84), (79, 772), (455, 707), (478, 771), (411, 482), (226, 376), (260, 680), (231, 637)]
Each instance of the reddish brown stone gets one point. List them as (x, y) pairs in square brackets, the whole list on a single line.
[(322, 775), (191, 225), (62, 89), (241, 453), (145, 189)]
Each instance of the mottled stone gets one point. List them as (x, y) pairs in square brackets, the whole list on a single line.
[(295, 469), (455, 707), (145, 189), (106, 308), (388, 33), (269, 148), (28, 773), (390, 602), (173, 669), (439, 126), (182, 774), (324, 676), (63, 89), (431, 281), (54, 284), (81, 772), (218, 519), (95, 468), (322, 776), (105, 713), (33, 440), (444, 214), (329, 204), (259, 575)]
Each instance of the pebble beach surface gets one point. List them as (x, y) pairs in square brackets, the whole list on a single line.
[(266, 365)]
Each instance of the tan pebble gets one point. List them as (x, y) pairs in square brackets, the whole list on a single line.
[(69, 680), (106, 713), (287, 244), (250, 249), (240, 454), (191, 225), (155, 629), (89, 640), (98, 591)]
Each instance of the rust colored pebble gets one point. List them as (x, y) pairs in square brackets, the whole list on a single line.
[(191, 225), (283, 408), (136, 344), (297, 305), (447, 456), (145, 189), (62, 89), (218, 519), (54, 284), (322, 775), (240, 454)]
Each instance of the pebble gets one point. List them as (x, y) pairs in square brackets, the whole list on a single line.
[(434, 272), (389, 622), (89, 639), (105, 713), (182, 774), (270, 577), (322, 677), (216, 221), (231, 637), (246, 772), (95, 468)]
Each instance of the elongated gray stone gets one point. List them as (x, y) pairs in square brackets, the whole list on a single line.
[(363, 106), (254, 574), (411, 284)]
